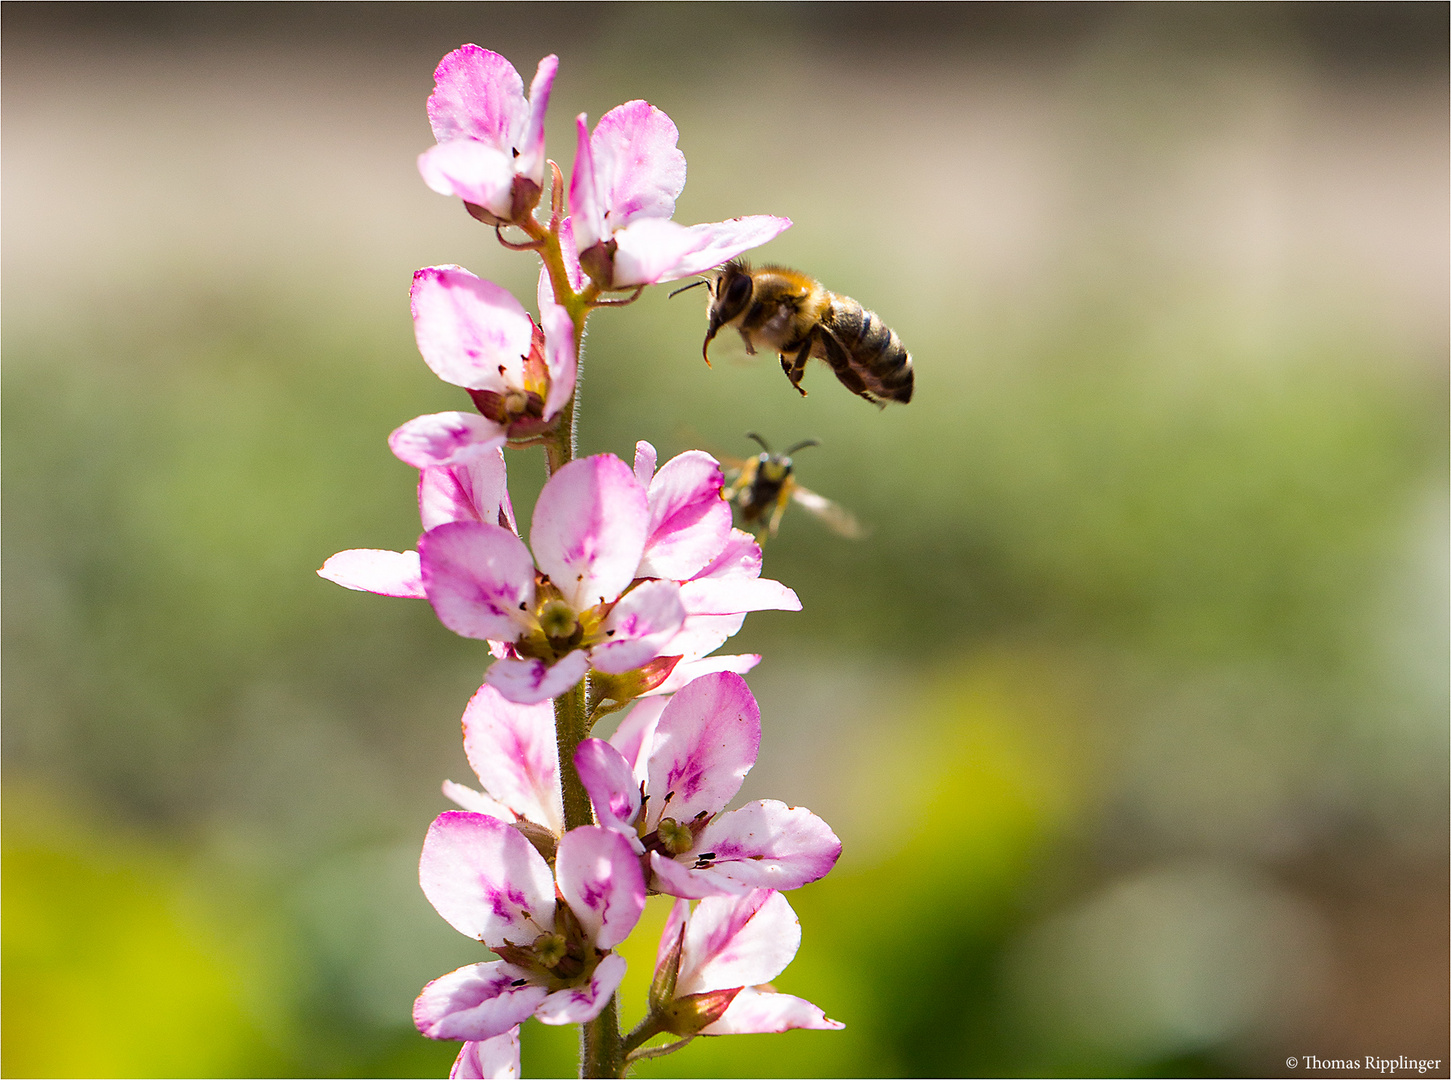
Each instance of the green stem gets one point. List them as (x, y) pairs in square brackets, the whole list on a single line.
[(601, 1051), (569, 730)]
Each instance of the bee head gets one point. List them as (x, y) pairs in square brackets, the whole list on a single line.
[(730, 295), (731, 292)]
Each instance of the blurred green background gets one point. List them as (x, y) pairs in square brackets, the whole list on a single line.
[(1131, 711)]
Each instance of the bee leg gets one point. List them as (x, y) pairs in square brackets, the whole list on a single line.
[(796, 367), (840, 361), (750, 349), (776, 513)]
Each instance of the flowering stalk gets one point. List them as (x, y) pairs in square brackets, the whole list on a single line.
[(631, 578)]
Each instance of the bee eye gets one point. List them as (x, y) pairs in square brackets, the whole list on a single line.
[(738, 292)]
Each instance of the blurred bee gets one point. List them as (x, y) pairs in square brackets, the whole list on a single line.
[(765, 484), (798, 318)]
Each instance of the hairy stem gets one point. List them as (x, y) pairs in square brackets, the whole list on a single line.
[(569, 729), (601, 1051)]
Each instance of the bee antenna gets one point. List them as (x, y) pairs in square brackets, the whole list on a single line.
[(802, 445), (759, 440), (687, 288)]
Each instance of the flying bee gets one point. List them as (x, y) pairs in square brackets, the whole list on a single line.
[(797, 317), (766, 483)]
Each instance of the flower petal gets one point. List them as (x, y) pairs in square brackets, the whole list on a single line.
[(486, 880), (767, 844), (471, 332), (702, 634), (611, 787), (477, 94), (572, 270), (732, 582), (730, 596), (473, 490), (492, 1059), (530, 162), (689, 520), (561, 357), (472, 171), (479, 579), (580, 1004), (651, 250), (760, 1012), (636, 734), (704, 745), (645, 618), (388, 573), (737, 941), (477, 1003), (476, 802), (685, 672), (641, 171), (674, 923), (676, 879), (645, 458), (529, 682), (589, 529), (586, 199), (599, 877), (739, 557), (512, 750), (446, 438)]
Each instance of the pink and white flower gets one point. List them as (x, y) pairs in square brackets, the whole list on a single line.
[(513, 751), (627, 176), (687, 761), (584, 599), (650, 567), (554, 931), (712, 964), (475, 334), (490, 150), (581, 607)]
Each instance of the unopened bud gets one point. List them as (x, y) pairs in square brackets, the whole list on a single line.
[(691, 1015)]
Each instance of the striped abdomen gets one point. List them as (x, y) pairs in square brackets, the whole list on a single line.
[(866, 354)]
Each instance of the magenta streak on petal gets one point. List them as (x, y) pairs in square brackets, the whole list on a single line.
[(594, 895), (506, 903), (717, 943)]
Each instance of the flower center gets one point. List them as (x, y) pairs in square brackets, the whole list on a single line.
[(515, 403), (550, 949), (558, 621), (675, 837)]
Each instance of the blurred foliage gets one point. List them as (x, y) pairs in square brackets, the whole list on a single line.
[(1151, 613)]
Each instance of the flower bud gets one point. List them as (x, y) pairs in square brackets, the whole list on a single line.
[(692, 1014), (625, 688)]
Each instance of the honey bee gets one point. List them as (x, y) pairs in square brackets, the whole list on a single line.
[(765, 483), (797, 317)]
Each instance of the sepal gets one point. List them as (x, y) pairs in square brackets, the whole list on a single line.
[(626, 687), (694, 1013)]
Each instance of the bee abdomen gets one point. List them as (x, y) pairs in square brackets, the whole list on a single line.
[(871, 359)]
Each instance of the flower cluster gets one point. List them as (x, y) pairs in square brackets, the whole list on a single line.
[(631, 579)]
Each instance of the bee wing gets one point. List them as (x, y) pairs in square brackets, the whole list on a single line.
[(836, 517)]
